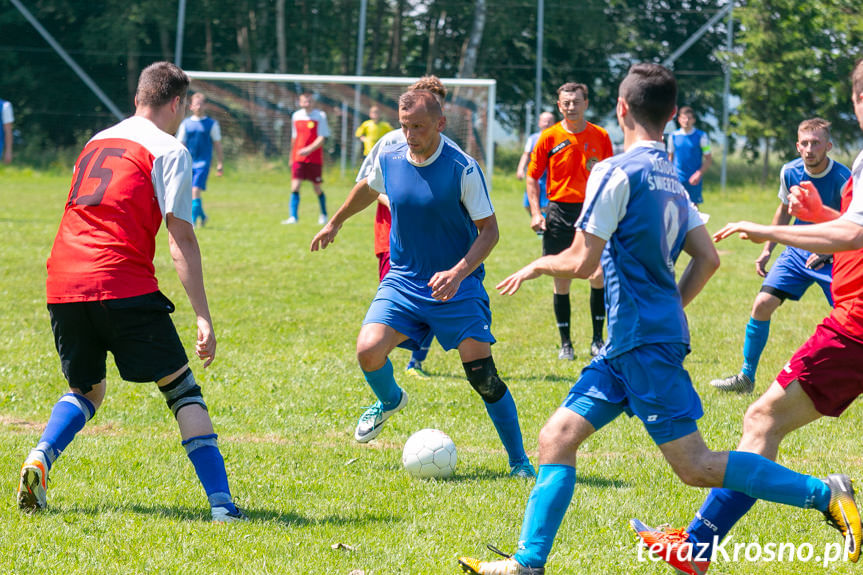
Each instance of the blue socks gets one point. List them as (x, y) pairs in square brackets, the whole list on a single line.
[(721, 510), (68, 417), (198, 210), (210, 468), (322, 200), (504, 415), (295, 203), (420, 355), (544, 513), (384, 385), (757, 333), (761, 478)]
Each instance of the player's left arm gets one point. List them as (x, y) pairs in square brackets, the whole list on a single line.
[(216, 137), (704, 263), (316, 143)]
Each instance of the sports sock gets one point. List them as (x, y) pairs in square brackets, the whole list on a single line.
[(721, 510), (504, 415), (544, 513), (597, 311), (420, 355), (757, 333), (384, 385), (295, 204), (209, 465), (562, 314), (68, 417), (322, 200), (761, 478), (197, 210)]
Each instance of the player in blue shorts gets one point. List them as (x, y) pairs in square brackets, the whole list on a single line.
[(636, 220), (201, 135), (795, 269), (443, 227)]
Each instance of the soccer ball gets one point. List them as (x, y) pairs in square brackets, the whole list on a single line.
[(428, 454)]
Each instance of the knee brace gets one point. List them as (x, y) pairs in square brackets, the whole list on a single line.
[(183, 391), (482, 375)]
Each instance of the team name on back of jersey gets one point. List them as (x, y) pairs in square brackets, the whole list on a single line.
[(663, 176)]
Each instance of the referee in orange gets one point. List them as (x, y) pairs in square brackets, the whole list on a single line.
[(568, 150)]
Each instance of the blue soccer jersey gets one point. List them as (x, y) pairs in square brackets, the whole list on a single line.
[(636, 204), (199, 134), (434, 205), (689, 150), (829, 183)]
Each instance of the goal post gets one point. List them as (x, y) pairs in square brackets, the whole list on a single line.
[(254, 110)]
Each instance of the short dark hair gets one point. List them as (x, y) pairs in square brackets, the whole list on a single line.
[(573, 87), (650, 92), (420, 98), (813, 124), (159, 83), (686, 110)]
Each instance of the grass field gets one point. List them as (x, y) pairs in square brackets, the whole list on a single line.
[(285, 393)]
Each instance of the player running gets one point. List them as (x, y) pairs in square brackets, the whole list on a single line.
[(443, 228), (795, 270), (103, 294), (637, 219), (821, 379)]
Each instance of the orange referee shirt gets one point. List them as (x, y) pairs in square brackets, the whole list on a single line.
[(568, 158)]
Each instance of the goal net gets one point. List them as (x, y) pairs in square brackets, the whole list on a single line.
[(254, 111)]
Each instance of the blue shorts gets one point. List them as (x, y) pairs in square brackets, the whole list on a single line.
[(543, 195), (200, 171), (693, 191), (789, 278), (411, 310), (648, 381)]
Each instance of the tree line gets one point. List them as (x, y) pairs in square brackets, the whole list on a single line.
[(790, 59)]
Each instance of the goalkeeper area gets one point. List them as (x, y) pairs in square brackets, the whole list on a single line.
[(254, 111)]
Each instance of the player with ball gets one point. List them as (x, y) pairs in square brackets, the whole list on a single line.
[(443, 228)]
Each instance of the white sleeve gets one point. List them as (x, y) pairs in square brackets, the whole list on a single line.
[(323, 127), (8, 117), (784, 192), (474, 193), (854, 213), (376, 177), (172, 181), (696, 218), (181, 133), (293, 125), (216, 132), (605, 201), (369, 161), (669, 143)]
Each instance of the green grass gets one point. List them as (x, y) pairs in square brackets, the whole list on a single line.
[(285, 393)]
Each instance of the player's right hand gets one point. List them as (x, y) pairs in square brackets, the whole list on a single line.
[(325, 237), (761, 264), (537, 223), (511, 284)]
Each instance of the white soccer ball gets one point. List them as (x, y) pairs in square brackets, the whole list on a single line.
[(429, 453)]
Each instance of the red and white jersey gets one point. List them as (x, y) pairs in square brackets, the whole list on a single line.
[(305, 129), (847, 284), (126, 180)]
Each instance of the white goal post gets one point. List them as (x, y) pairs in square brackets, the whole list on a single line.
[(254, 110)]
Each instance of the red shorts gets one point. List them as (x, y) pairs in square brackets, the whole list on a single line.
[(308, 172), (383, 265), (828, 368)]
